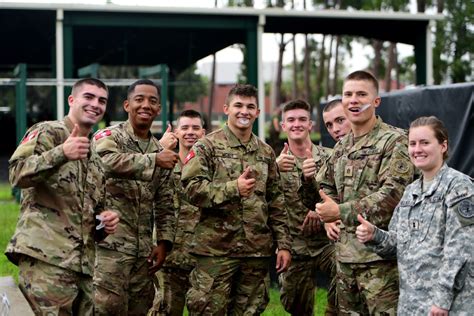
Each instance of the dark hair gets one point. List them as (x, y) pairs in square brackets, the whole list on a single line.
[(440, 131), (296, 104), (139, 82), (244, 90), (331, 105), (363, 75), (90, 81), (192, 114)]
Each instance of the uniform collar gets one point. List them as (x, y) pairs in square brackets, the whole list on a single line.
[(434, 184), (252, 145), (367, 140), (154, 145), (69, 124)]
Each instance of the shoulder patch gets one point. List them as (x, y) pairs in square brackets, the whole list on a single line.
[(466, 209), (30, 136), (402, 166), (101, 134), (189, 156)]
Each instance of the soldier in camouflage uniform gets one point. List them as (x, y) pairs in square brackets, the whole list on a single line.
[(232, 176), (311, 249), (366, 174), (62, 190), (431, 231), (140, 188), (174, 276)]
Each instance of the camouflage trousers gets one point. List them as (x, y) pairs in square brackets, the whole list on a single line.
[(367, 288), (52, 290), (229, 286), (122, 285), (298, 284), (170, 293)]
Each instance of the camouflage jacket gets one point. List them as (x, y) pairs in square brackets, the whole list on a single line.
[(59, 199), (229, 224), (309, 246), (365, 176), (187, 218), (432, 235), (141, 192)]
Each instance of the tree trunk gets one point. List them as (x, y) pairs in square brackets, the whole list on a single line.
[(307, 89), (328, 71), (294, 90), (390, 65), (212, 84), (336, 67), (320, 72), (279, 71), (397, 69), (378, 45)]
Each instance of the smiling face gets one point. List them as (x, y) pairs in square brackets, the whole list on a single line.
[(87, 105), (425, 151), (297, 124), (242, 112), (189, 130), (142, 106), (336, 122), (359, 100)]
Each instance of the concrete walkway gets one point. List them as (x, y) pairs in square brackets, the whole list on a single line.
[(18, 304)]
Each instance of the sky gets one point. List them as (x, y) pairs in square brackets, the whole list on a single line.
[(270, 41)]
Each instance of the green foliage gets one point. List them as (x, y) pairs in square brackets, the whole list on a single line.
[(190, 86), (9, 210)]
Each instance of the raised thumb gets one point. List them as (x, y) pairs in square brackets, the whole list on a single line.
[(75, 131), (308, 154), (361, 219), (168, 129), (323, 195), (285, 149)]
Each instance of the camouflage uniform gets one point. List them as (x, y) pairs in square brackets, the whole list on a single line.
[(309, 253), (431, 233), (366, 175), (142, 195), (174, 276), (54, 239), (235, 236)]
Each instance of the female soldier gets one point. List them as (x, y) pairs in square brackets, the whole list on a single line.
[(431, 231)]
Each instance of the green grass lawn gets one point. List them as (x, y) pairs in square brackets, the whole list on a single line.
[(9, 211)]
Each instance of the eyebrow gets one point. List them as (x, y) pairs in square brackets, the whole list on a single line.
[(89, 94)]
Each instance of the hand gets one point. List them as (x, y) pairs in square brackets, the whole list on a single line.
[(110, 219), (285, 161), (76, 147), (283, 260), (309, 165), (246, 183), (328, 210), (333, 230), (311, 223), (157, 258), (365, 231), (438, 311), (169, 140), (166, 159)]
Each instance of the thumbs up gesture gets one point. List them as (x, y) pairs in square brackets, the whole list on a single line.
[(328, 210), (169, 139), (246, 183), (285, 161), (365, 231), (76, 147), (309, 165)]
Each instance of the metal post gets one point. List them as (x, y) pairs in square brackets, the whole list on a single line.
[(20, 106), (261, 84), (59, 64)]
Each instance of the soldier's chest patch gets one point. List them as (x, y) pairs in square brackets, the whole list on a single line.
[(189, 156), (348, 171), (102, 134), (466, 209), (30, 136)]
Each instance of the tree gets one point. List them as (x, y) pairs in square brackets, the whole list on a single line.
[(189, 86)]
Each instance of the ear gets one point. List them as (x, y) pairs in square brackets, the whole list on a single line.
[(70, 100), (310, 125), (226, 109), (444, 146), (258, 112), (126, 106), (377, 101)]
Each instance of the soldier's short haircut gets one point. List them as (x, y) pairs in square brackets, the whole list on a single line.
[(139, 82), (363, 75), (192, 114), (440, 131), (331, 105), (297, 104), (90, 81), (242, 90)]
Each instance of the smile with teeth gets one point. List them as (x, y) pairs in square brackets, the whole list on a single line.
[(360, 109), (244, 120)]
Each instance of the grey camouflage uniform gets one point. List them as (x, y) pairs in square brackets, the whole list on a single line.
[(234, 233), (309, 253), (365, 176), (432, 235), (142, 194), (56, 228)]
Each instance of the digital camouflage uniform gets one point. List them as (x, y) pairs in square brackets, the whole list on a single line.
[(432, 235), (235, 236), (366, 175), (309, 253), (173, 278), (142, 194), (53, 243)]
